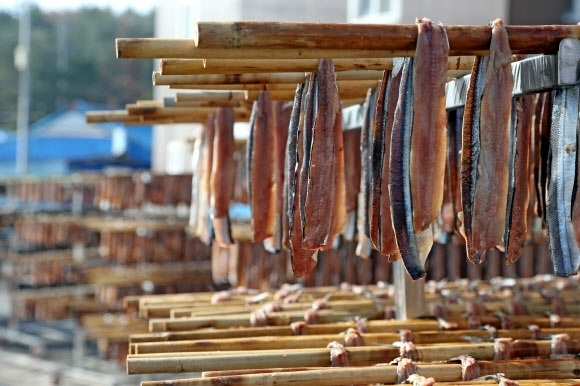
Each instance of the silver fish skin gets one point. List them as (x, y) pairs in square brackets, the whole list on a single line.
[(563, 145), (400, 184)]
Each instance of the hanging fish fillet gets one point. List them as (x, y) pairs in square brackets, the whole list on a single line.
[(281, 112), (563, 144), (260, 161), (451, 193), (486, 147), (306, 134), (303, 261), (338, 220), (204, 228), (196, 158), (388, 241), (429, 135), (364, 246), (545, 157), (377, 153), (517, 224), (323, 163), (222, 174), (414, 247), (291, 162), (352, 170)]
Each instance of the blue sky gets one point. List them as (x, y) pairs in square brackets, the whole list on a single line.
[(56, 5)]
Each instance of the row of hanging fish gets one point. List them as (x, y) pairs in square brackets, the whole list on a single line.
[(414, 173), (213, 179)]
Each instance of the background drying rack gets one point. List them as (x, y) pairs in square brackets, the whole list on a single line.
[(236, 60)]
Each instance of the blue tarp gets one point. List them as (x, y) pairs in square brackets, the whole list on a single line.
[(64, 137)]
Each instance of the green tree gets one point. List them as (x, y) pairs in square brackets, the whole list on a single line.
[(72, 57)]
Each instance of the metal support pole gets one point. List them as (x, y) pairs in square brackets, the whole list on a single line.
[(21, 62)]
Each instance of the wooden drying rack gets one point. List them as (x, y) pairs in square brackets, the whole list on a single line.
[(236, 60)]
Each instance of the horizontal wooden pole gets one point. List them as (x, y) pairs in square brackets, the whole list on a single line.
[(358, 356), (237, 66), (283, 35), (210, 96), (135, 109), (360, 84), (560, 369), (124, 117), (313, 341), (273, 319)]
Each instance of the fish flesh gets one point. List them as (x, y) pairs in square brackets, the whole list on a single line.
[(223, 173), (486, 147), (281, 114), (303, 260), (545, 156), (452, 193), (562, 180), (413, 247), (204, 230), (388, 241), (338, 218), (260, 161), (364, 245), (352, 170), (377, 153), (517, 222), (429, 132), (321, 162)]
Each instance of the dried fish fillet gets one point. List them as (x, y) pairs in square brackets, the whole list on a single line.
[(486, 148), (364, 246), (204, 228), (429, 134), (413, 247), (303, 261), (322, 163), (563, 145), (260, 161), (388, 241), (517, 223), (352, 170), (223, 173)]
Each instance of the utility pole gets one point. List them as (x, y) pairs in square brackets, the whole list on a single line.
[(22, 64)]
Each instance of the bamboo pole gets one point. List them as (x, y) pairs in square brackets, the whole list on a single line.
[(278, 318), (124, 117), (174, 111), (313, 341), (562, 369), (284, 35), (236, 66), (253, 78), (216, 96), (358, 356), (349, 84)]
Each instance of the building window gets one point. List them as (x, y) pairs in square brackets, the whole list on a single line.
[(374, 11), (364, 8), (384, 6)]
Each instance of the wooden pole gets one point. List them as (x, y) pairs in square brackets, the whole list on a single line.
[(313, 341), (173, 111), (124, 117), (236, 66), (273, 319), (360, 84), (284, 35), (443, 372), (358, 356)]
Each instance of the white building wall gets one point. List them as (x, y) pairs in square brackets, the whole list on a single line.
[(176, 18), (445, 11)]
